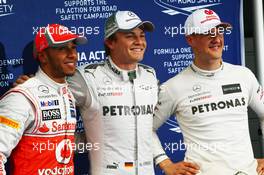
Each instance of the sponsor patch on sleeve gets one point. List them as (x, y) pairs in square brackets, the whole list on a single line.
[(9, 122)]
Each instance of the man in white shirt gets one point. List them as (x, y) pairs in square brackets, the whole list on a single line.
[(211, 104)]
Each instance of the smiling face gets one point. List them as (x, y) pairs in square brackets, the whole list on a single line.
[(58, 62), (207, 49), (127, 48)]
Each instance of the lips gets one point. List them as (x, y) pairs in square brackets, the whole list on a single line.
[(215, 47), (137, 49), (70, 63)]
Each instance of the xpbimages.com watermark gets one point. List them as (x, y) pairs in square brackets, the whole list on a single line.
[(174, 31), (80, 30), (77, 147), (174, 147)]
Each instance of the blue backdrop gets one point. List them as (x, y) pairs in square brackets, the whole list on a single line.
[(167, 50)]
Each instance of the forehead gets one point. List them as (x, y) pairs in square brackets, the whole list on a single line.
[(216, 30), (133, 31), (67, 44), (209, 34)]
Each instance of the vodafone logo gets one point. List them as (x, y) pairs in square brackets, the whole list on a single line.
[(64, 151), (57, 170)]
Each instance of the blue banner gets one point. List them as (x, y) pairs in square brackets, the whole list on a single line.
[(167, 49)]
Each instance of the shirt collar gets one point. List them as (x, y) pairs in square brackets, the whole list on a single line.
[(124, 74), (61, 88), (206, 73)]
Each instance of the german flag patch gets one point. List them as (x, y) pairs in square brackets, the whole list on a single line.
[(129, 165)]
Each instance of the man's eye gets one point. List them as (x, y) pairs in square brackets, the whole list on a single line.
[(74, 47), (61, 48)]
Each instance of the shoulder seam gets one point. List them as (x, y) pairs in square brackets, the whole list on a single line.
[(93, 66), (145, 66), (149, 69)]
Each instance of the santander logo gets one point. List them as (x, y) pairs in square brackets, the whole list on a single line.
[(44, 128)]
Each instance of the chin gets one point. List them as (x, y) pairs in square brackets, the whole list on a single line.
[(139, 58), (216, 56), (69, 73)]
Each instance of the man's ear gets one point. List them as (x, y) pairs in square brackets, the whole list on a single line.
[(189, 40), (109, 43), (42, 56)]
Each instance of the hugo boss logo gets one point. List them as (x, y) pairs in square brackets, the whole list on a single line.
[(51, 114)]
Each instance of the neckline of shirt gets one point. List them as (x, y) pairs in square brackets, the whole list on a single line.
[(124, 74), (206, 73), (47, 80)]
